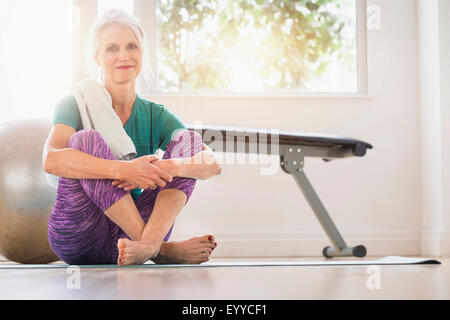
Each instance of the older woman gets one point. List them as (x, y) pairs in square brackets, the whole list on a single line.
[(113, 211)]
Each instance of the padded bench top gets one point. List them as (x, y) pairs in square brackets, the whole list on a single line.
[(286, 137)]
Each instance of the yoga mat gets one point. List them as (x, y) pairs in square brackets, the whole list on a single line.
[(390, 260)]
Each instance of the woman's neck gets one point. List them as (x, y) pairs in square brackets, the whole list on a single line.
[(123, 96)]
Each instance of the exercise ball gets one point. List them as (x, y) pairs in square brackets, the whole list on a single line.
[(26, 196)]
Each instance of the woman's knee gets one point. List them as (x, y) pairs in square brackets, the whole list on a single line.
[(184, 144), (90, 141), (187, 185)]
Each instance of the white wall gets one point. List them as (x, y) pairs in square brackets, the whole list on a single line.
[(375, 200), (429, 98), (444, 47), (434, 80)]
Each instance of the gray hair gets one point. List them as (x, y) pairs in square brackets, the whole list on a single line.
[(119, 17)]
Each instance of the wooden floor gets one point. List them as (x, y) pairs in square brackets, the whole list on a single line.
[(212, 283)]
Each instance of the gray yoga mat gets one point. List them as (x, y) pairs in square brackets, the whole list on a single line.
[(390, 260)]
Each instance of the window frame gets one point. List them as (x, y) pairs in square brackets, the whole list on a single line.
[(145, 11)]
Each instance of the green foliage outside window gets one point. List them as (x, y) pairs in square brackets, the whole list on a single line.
[(212, 44)]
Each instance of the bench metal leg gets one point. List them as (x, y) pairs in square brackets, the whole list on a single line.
[(340, 247), (292, 162)]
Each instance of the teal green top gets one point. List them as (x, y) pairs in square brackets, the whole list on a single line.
[(165, 124)]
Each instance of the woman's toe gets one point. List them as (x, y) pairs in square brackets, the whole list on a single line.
[(205, 238), (121, 243)]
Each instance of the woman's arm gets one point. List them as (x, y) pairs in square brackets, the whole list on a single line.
[(203, 165), (71, 163)]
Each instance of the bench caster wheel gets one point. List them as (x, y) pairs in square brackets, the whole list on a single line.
[(359, 251), (324, 252)]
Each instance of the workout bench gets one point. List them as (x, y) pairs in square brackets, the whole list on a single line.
[(293, 147)]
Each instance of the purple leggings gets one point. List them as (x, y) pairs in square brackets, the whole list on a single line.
[(78, 230)]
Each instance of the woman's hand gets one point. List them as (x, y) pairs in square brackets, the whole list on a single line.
[(144, 172)]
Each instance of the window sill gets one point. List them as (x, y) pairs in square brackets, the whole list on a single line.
[(270, 95)]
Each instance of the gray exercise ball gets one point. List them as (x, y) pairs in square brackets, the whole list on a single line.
[(26, 196)]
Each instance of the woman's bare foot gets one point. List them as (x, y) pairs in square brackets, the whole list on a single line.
[(134, 252), (193, 251)]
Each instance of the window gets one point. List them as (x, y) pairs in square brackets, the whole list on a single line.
[(35, 56), (252, 46), (257, 46)]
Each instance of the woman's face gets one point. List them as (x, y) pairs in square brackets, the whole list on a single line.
[(119, 54)]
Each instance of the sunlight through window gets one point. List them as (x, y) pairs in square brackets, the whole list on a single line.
[(257, 46), (35, 56)]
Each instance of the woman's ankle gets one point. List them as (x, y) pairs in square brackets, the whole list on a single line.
[(152, 247)]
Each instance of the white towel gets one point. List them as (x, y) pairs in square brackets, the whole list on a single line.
[(96, 111)]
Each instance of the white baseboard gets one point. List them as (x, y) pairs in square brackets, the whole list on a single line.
[(309, 244), (435, 242)]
